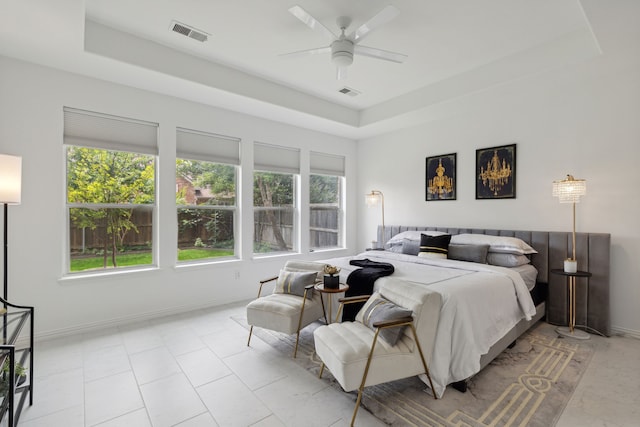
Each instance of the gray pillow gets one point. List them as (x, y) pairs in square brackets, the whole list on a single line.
[(396, 247), (294, 282), (381, 309), (470, 253), (410, 247)]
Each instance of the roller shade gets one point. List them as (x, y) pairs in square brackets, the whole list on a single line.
[(97, 130), (327, 164), (274, 158), (196, 145)]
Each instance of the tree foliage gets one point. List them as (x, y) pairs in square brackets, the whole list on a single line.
[(219, 179), (323, 189), (98, 177), (220, 182), (272, 190)]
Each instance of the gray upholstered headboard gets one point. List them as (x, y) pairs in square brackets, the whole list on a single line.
[(592, 252)]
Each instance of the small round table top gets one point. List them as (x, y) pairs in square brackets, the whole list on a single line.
[(342, 287), (576, 274)]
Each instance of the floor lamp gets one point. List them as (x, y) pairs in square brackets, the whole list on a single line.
[(10, 191), (569, 191), (372, 200)]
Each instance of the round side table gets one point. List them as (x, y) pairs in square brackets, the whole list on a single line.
[(342, 287), (570, 331)]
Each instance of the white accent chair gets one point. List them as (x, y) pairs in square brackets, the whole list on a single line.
[(287, 313), (356, 355)]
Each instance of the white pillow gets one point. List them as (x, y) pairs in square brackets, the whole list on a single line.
[(502, 244), (398, 239), (432, 255), (507, 260)]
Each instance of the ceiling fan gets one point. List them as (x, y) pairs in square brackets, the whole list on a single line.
[(343, 46)]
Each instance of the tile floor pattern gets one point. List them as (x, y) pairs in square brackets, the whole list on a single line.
[(195, 370)]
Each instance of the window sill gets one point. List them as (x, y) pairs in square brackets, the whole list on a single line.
[(73, 278), (183, 265)]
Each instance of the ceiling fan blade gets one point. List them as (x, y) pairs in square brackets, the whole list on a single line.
[(382, 17), (307, 52), (341, 73), (380, 54), (312, 22)]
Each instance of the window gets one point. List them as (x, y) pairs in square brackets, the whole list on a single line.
[(325, 201), (274, 198), (206, 171), (110, 171)]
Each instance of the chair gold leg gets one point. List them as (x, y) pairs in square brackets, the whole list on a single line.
[(364, 376), (250, 331), (295, 350), (355, 410), (424, 363), (321, 370)]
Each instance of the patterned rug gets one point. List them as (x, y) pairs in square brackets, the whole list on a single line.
[(527, 385)]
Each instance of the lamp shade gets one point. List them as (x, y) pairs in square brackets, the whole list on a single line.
[(569, 190), (372, 199), (10, 179)]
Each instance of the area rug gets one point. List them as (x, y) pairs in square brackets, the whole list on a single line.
[(527, 385)]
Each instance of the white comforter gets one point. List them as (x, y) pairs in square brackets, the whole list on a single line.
[(481, 303)]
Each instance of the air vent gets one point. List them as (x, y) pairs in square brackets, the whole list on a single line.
[(188, 31), (348, 91)]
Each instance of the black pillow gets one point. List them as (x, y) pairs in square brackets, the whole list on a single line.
[(434, 246)]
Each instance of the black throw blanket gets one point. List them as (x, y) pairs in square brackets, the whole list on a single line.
[(360, 282)]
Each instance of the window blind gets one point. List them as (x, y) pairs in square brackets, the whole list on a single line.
[(326, 164), (97, 130), (196, 145), (274, 158)]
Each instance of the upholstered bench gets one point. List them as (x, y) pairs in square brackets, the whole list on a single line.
[(358, 355)]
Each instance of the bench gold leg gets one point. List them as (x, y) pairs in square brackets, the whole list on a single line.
[(355, 410)]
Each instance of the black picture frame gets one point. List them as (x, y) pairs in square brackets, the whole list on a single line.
[(440, 177), (496, 172)]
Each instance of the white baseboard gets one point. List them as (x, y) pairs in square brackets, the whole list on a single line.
[(631, 333), (121, 321)]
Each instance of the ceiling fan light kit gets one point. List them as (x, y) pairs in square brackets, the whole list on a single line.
[(342, 52), (343, 47)]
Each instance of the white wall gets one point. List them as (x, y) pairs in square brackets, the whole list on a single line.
[(582, 119), (31, 125)]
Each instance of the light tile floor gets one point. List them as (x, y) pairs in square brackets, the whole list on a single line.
[(195, 370)]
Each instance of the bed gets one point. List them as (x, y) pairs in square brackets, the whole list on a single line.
[(469, 336)]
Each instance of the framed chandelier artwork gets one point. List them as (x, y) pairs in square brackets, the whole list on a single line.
[(496, 172), (441, 177)]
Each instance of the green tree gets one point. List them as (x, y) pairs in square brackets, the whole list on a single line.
[(104, 177), (323, 189), (220, 180), (273, 190)]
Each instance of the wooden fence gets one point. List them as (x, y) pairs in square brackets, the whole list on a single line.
[(324, 230)]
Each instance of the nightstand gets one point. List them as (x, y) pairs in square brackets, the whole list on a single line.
[(570, 331)]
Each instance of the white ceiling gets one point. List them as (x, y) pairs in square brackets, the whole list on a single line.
[(454, 47)]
